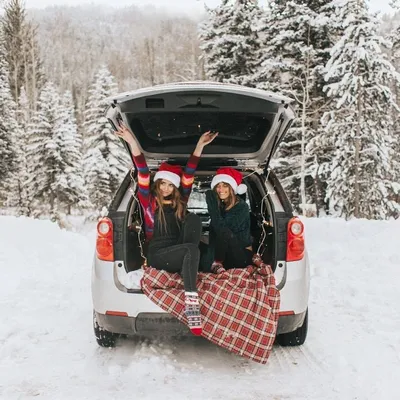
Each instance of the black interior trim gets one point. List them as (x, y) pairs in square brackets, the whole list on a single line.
[(177, 132)]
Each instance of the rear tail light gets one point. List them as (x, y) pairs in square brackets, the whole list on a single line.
[(117, 313), (104, 241), (295, 240)]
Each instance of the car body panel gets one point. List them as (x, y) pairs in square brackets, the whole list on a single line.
[(145, 108), (109, 295)]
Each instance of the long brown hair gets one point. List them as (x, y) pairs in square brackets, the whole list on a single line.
[(176, 202), (230, 201)]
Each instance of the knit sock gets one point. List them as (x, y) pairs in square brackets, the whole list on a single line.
[(257, 260), (192, 311), (217, 267)]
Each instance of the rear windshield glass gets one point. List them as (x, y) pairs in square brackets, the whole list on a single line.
[(178, 132)]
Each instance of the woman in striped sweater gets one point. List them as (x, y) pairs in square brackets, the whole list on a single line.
[(173, 235)]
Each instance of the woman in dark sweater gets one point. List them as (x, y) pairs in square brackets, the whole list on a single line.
[(172, 234), (230, 242)]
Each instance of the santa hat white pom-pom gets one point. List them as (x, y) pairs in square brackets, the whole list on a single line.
[(241, 189)]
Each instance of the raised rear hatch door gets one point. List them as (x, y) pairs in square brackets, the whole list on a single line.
[(168, 120)]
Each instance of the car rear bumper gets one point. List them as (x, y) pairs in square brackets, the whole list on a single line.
[(145, 317), (289, 323), (144, 324), (148, 324)]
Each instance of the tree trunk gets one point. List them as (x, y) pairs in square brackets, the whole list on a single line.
[(26, 67), (34, 74), (303, 156), (306, 94), (357, 157), (149, 43), (317, 192)]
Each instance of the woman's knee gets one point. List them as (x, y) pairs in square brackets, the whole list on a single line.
[(225, 233), (192, 249), (193, 220)]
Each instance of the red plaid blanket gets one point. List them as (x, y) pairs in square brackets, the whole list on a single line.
[(239, 308)]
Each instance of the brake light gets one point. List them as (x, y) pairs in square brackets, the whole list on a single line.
[(295, 240), (285, 313), (117, 313), (104, 241)]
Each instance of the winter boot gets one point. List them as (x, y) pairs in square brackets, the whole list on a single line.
[(192, 311)]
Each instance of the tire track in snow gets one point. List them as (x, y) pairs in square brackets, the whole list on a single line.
[(293, 357), (283, 358), (307, 354)]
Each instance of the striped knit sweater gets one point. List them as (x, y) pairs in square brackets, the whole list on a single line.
[(148, 201)]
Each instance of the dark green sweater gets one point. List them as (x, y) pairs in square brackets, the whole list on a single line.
[(237, 219)]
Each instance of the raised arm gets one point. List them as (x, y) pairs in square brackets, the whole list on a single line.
[(205, 139), (191, 166), (140, 163), (124, 133)]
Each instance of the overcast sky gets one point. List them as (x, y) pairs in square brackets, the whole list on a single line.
[(193, 6)]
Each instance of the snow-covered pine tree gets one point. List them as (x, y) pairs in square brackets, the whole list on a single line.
[(22, 53), (69, 186), (230, 43), (297, 37), (8, 128), (99, 135), (359, 75), (97, 178), (21, 196), (13, 23), (394, 37), (44, 159), (33, 66)]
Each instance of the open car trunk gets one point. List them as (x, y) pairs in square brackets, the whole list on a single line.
[(261, 217), (168, 120)]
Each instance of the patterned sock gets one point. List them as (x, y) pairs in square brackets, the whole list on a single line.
[(257, 260), (217, 267), (192, 311)]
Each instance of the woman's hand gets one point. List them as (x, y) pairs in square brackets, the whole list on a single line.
[(205, 139), (212, 204), (124, 133)]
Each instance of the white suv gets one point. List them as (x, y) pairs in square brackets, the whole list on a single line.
[(167, 121)]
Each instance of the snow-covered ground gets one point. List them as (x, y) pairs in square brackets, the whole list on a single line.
[(48, 351)]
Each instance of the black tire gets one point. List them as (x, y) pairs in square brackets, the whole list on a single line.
[(104, 338), (295, 338)]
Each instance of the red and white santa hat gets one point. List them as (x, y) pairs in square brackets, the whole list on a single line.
[(170, 173), (232, 177)]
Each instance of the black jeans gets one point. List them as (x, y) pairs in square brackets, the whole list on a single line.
[(230, 251), (183, 257)]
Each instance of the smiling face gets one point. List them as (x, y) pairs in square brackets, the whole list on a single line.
[(165, 187), (224, 191)]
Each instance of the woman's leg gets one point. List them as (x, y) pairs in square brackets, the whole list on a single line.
[(191, 230), (224, 238), (230, 252), (240, 258), (181, 258)]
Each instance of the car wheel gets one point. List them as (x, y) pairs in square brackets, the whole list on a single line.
[(104, 338), (295, 338)]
